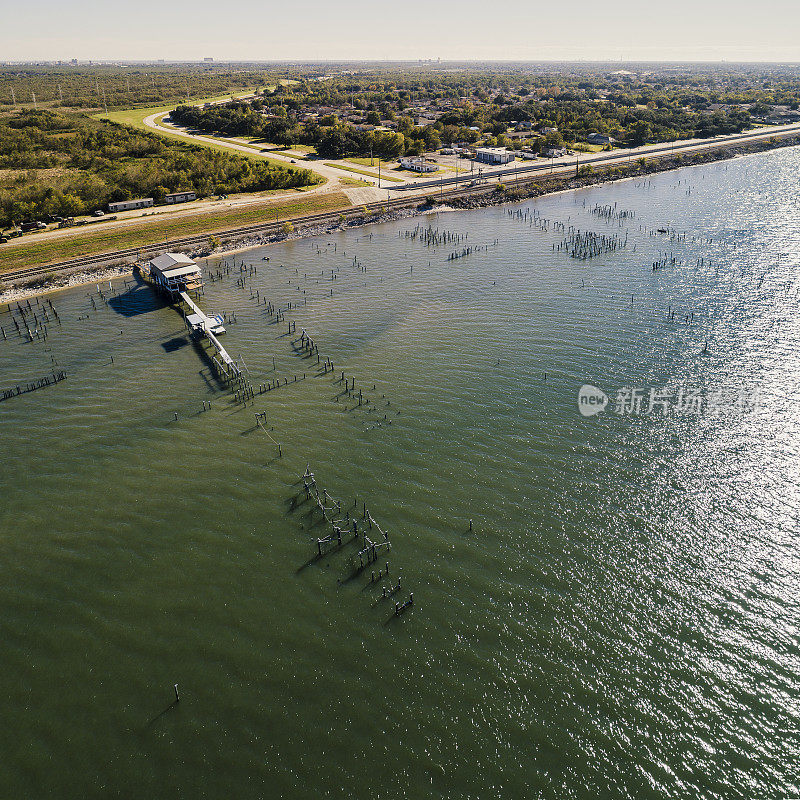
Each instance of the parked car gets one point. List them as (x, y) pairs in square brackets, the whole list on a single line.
[(27, 226), (67, 222), (98, 213), (3, 239)]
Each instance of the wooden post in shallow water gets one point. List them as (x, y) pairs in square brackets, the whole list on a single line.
[(177, 696)]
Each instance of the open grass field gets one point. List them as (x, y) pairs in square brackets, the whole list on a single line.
[(134, 116), (364, 162), (346, 181), (303, 148), (363, 172), (585, 147), (28, 253), (131, 117)]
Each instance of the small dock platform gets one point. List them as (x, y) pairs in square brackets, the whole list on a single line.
[(210, 327), (175, 274), (198, 320)]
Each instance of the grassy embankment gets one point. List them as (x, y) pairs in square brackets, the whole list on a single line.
[(18, 254)]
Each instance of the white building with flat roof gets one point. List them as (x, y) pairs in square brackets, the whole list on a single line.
[(418, 164), (493, 155)]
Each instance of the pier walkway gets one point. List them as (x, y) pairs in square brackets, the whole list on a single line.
[(199, 321)]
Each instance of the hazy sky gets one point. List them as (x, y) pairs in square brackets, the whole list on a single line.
[(685, 30)]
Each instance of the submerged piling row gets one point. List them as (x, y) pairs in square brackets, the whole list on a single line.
[(41, 383), (348, 526)]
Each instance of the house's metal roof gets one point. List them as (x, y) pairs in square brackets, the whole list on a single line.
[(168, 261)]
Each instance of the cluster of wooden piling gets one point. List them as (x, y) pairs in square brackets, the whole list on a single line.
[(433, 237), (229, 373), (583, 245), (225, 267), (666, 260), (348, 525), (31, 320), (41, 383), (535, 220), (610, 213)]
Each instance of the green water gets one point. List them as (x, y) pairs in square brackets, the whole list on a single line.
[(622, 619)]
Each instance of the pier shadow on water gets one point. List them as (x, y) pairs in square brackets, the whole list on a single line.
[(176, 343), (139, 299), (207, 362)]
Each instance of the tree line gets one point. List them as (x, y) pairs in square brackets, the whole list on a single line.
[(70, 164)]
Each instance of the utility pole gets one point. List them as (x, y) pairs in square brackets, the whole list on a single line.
[(105, 105), (61, 94), (13, 97), (34, 100), (379, 172)]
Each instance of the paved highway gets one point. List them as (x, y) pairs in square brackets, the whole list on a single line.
[(606, 157)]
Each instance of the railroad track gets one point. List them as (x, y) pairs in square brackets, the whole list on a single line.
[(148, 251), (137, 253), (134, 254)]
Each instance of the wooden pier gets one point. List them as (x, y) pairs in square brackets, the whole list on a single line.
[(198, 320)]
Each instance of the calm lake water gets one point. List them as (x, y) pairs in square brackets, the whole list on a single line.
[(621, 621)]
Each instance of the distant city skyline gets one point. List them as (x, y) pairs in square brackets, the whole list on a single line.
[(312, 30)]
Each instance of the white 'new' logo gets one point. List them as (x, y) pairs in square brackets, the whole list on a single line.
[(591, 400)]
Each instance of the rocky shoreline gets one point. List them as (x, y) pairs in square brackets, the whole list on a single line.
[(532, 188), (525, 189)]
